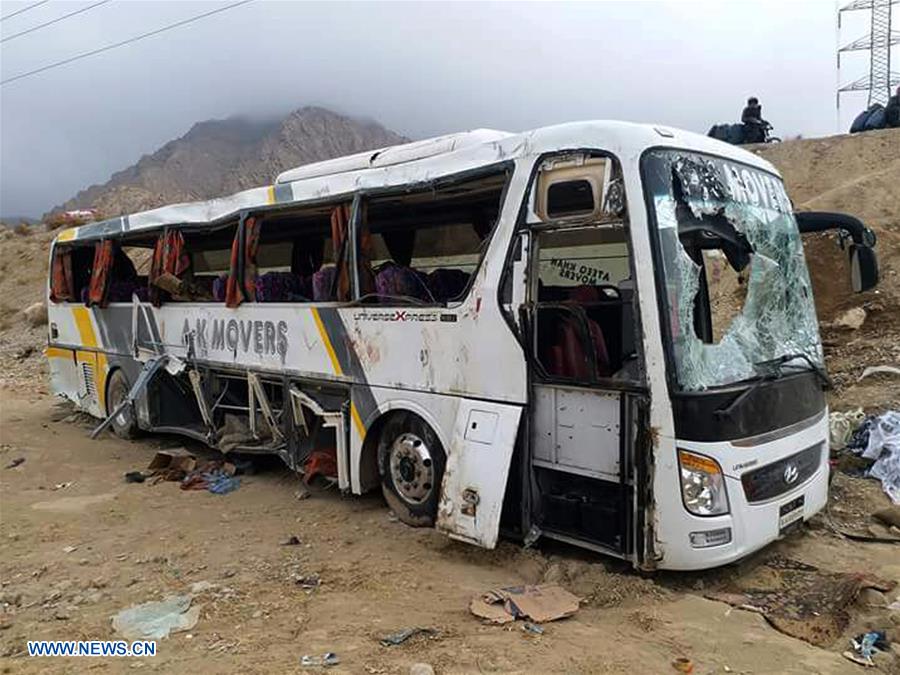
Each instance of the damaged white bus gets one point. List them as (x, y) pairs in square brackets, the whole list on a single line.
[(599, 332)]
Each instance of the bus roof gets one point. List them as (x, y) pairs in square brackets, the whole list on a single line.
[(417, 162)]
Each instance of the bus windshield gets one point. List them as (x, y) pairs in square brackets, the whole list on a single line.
[(735, 282)]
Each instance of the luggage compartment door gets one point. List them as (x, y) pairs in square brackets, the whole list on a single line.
[(478, 460)]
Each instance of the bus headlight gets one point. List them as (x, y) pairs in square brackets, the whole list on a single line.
[(702, 485)]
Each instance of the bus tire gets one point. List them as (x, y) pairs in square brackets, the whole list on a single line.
[(411, 463), (124, 424)]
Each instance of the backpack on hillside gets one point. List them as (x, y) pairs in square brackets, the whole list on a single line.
[(871, 118)]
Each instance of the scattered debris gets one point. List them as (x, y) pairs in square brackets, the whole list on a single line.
[(866, 646), (800, 600), (852, 319), (70, 549), (683, 664), (155, 620), (302, 493), (172, 465), (293, 540), (63, 486), (13, 464), (308, 583), (405, 634), (533, 628), (878, 438), (546, 602), (200, 586), (856, 658), (321, 463), (325, 660), (214, 477), (421, 669), (135, 477), (879, 370), (841, 426)]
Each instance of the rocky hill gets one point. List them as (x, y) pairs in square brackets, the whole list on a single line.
[(219, 157)]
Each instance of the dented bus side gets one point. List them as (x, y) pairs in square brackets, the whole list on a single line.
[(514, 334)]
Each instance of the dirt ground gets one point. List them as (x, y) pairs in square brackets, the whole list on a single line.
[(139, 542)]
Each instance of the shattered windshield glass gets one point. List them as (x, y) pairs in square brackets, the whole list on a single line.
[(713, 214)]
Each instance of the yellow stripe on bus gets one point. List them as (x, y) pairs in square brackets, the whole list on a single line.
[(67, 235), (328, 347), (85, 327), (271, 194), (57, 353), (357, 420), (97, 360)]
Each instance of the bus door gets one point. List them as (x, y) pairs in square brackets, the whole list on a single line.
[(588, 406)]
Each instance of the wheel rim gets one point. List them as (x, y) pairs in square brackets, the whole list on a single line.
[(412, 468)]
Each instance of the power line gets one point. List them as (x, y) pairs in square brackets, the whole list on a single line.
[(77, 57), (57, 20), (24, 9)]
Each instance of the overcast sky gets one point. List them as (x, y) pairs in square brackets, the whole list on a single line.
[(420, 69)]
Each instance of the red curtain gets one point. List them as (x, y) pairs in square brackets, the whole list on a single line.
[(104, 254), (62, 284), (340, 226), (340, 220), (169, 257), (241, 284)]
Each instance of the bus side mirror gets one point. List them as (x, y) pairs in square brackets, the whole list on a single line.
[(863, 267)]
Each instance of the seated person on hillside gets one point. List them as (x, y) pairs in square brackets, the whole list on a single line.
[(754, 124), (892, 111)]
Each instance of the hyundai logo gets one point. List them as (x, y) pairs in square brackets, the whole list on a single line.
[(791, 474)]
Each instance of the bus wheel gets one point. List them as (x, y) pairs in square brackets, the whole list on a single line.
[(123, 424), (411, 462)]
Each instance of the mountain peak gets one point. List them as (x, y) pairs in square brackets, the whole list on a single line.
[(221, 156)]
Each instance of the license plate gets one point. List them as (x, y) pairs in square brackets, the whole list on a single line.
[(790, 513)]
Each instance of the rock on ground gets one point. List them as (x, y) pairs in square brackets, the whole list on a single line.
[(36, 314)]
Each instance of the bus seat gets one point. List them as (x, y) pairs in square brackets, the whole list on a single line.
[(447, 284), (607, 313), (598, 343), (586, 294), (574, 362), (220, 283), (566, 356), (281, 287), (397, 281), (322, 281), (121, 291)]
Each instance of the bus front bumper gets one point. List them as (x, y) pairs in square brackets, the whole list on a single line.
[(700, 542)]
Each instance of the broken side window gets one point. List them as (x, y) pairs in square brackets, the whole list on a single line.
[(735, 280)]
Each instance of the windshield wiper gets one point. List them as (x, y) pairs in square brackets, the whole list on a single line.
[(821, 375), (740, 398), (772, 370)]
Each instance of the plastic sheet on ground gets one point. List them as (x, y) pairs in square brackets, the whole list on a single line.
[(883, 445), (155, 620), (800, 600)]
